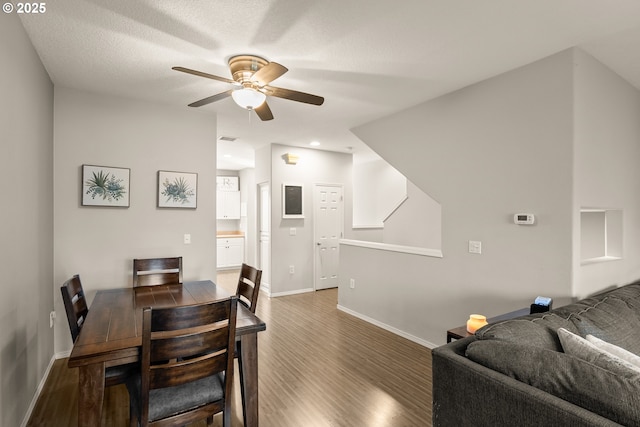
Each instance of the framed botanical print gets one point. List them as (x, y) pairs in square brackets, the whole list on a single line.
[(177, 189), (105, 186)]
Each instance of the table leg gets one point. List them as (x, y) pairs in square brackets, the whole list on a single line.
[(90, 395), (248, 369)]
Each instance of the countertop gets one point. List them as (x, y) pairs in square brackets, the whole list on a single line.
[(229, 234)]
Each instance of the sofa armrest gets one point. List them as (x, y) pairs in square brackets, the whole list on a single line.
[(467, 393)]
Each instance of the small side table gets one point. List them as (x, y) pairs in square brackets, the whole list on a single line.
[(461, 331)]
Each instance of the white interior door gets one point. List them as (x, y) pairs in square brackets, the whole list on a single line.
[(264, 230), (328, 232)]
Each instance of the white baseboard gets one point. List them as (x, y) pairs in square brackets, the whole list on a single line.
[(62, 354), (265, 288), (389, 328), (297, 291), (32, 405)]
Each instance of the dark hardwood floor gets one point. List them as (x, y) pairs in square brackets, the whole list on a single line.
[(318, 367)]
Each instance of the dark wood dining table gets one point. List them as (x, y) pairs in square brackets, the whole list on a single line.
[(112, 335)]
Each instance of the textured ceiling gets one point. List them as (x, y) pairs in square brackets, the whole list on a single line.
[(367, 58)]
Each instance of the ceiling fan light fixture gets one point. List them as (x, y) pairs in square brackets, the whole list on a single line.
[(248, 98)]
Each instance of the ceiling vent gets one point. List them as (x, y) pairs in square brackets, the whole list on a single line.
[(227, 138)]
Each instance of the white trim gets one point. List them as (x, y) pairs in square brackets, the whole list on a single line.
[(599, 259), (395, 208), (62, 354), (32, 405), (415, 250), (265, 288), (358, 226), (389, 328), (297, 291)]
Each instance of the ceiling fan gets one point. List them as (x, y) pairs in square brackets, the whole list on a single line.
[(251, 77)]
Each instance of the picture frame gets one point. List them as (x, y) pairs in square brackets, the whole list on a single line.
[(227, 183), (292, 201), (177, 189), (105, 186)]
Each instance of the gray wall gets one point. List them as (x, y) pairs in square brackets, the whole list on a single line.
[(26, 221), (314, 167), (249, 223), (99, 243), (484, 153), (424, 217), (607, 150)]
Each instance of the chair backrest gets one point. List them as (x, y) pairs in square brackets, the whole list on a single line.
[(157, 271), (75, 304), (181, 345), (249, 286)]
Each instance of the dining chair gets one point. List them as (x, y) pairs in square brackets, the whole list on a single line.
[(186, 364), (249, 286), (247, 293), (75, 305), (157, 271)]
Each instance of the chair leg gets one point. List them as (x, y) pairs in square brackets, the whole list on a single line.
[(241, 376)]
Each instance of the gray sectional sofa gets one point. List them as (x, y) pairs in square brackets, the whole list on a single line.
[(515, 372)]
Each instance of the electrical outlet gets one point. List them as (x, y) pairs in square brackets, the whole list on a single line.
[(52, 317), (475, 247), (291, 269), (352, 283)]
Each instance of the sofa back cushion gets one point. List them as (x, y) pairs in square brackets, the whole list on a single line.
[(536, 330), (603, 392), (609, 318), (613, 316)]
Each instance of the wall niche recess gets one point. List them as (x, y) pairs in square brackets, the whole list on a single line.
[(600, 235)]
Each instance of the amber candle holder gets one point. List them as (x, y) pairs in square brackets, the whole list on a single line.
[(475, 322)]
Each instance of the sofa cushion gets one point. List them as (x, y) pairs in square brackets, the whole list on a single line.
[(615, 350), (610, 318), (579, 347), (536, 330), (612, 396), (630, 292)]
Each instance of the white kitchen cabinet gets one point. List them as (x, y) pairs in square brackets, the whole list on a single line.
[(230, 252), (228, 205)]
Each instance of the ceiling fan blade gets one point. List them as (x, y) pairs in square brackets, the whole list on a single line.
[(293, 95), (264, 112), (211, 99), (201, 74), (268, 73)]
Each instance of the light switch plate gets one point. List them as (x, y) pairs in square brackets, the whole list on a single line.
[(475, 247)]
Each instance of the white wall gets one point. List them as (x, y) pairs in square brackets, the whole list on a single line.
[(484, 153), (314, 167), (26, 221), (607, 150), (378, 189), (230, 224), (249, 223), (417, 222), (99, 243)]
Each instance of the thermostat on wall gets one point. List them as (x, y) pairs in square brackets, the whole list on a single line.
[(524, 218)]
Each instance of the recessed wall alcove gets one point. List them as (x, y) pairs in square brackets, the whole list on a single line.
[(600, 235)]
